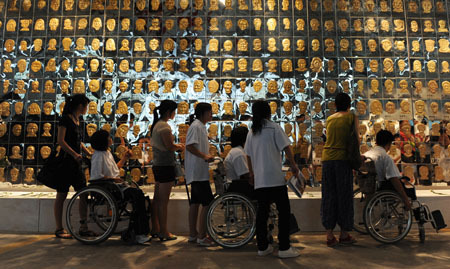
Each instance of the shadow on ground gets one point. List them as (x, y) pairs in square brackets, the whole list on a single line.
[(50, 252)]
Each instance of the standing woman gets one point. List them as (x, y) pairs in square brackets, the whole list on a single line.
[(70, 131), (264, 145), (164, 148), (197, 173), (337, 176)]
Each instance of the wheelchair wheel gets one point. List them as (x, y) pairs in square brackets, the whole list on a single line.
[(358, 209), (421, 233), (386, 218), (101, 211), (231, 220)]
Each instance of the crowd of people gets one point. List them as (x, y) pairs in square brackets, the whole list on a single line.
[(253, 165)]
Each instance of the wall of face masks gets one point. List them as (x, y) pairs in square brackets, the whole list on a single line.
[(391, 56)]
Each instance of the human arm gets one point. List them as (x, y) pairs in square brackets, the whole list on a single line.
[(64, 146), (120, 164), (251, 174), (195, 136), (241, 167), (85, 149), (398, 186), (168, 139), (194, 150), (124, 159)]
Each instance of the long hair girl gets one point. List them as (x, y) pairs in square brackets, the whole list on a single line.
[(261, 112)]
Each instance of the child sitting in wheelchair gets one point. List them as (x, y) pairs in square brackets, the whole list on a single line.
[(388, 175), (103, 167), (236, 166)]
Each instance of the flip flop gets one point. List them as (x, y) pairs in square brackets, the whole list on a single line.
[(63, 234)]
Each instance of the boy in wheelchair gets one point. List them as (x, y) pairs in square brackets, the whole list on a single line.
[(236, 166), (103, 167), (388, 175)]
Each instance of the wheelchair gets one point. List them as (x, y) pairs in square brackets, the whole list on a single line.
[(231, 217), (382, 214), (107, 212)]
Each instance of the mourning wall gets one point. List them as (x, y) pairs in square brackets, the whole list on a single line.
[(391, 56)]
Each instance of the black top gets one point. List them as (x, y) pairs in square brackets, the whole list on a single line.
[(73, 132)]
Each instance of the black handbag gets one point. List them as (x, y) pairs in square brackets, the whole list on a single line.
[(353, 153), (50, 173)]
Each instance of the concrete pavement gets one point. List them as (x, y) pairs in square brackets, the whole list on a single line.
[(45, 251)]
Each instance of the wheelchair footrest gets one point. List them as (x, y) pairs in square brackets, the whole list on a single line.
[(439, 222)]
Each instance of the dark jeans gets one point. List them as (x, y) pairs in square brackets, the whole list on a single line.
[(337, 195), (139, 220), (265, 197)]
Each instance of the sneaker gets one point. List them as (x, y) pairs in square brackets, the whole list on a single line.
[(141, 239), (266, 252), (192, 239), (290, 253), (205, 242)]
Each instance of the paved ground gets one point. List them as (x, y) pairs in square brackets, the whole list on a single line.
[(45, 251)]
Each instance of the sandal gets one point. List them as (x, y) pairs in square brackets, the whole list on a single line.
[(63, 234), (167, 238), (332, 242), (347, 241)]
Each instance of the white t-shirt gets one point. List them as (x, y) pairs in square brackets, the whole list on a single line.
[(264, 150), (236, 163), (385, 166), (103, 165), (195, 168)]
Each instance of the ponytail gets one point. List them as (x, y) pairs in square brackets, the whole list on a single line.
[(261, 112), (155, 119), (166, 106)]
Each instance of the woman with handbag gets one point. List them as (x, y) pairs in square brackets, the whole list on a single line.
[(337, 174), (70, 132), (164, 162)]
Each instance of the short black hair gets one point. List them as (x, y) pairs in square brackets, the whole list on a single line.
[(238, 136), (342, 101), (384, 138), (99, 140)]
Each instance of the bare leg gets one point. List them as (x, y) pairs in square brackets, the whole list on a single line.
[(155, 205), (193, 214), (202, 224), (163, 201), (58, 209)]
